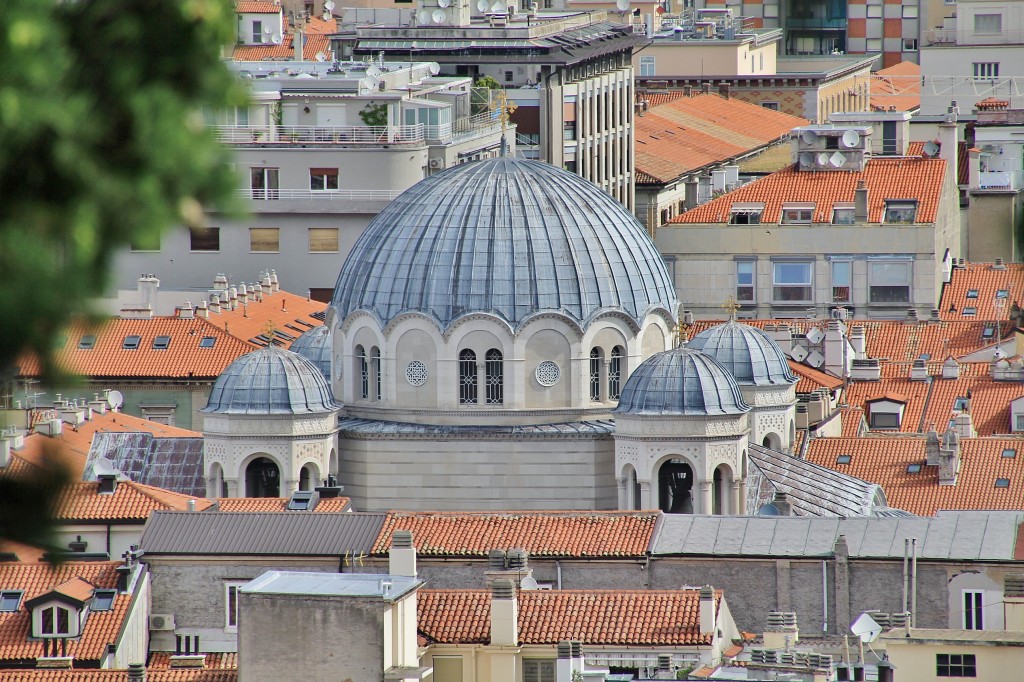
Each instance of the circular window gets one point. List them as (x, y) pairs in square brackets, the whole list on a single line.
[(547, 373), (416, 373)]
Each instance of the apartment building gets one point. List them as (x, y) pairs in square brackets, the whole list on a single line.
[(319, 151)]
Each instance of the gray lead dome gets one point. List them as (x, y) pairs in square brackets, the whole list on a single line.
[(271, 381), (749, 354), (315, 345), (506, 236), (681, 381)]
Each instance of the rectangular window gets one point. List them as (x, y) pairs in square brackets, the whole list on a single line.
[(231, 605), (910, 44), (842, 279), (843, 215), (131, 342), (509, 76), (323, 179), (204, 238), (161, 342), (889, 282), (774, 106), (745, 216), (1018, 422), (955, 665), (257, 31), (884, 420), (264, 183), (103, 600), (323, 240), (988, 23), (797, 215), (569, 130), (538, 670), (974, 601), (55, 620), (264, 239), (208, 342), (9, 601), (900, 212), (873, 44), (874, 11), (986, 69), (87, 342), (909, 11), (648, 66), (791, 282), (745, 281)]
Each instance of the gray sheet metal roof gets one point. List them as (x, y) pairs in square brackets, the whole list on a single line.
[(681, 381), (374, 427), (951, 535), (749, 354), (174, 464), (270, 533), (813, 490), (506, 236), (382, 585), (271, 381)]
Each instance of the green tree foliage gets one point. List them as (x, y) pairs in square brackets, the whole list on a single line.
[(102, 144)]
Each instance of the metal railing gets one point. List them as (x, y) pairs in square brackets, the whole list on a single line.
[(952, 36), (359, 135), (1000, 180), (311, 195)]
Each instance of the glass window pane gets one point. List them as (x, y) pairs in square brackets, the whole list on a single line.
[(792, 273)]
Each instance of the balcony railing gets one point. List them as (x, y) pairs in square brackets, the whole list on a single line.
[(951, 36), (1001, 180), (310, 195)]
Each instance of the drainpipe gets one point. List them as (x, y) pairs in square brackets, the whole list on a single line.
[(824, 597), (913, 582), (558, 573)]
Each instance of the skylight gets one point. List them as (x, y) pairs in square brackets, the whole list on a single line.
[(988, 332), (1009, 453), (1002, 483), (161, 342), (914, 468), (207, 341), (9, 600), (843, 459), (87, 342), (970, 311), (1003, 293), (972, 293), (131, 342), (960, 404), (103, 600)]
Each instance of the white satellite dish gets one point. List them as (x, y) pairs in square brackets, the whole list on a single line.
[(103, 467), (276, 39), (438, 16), (866, 628), (851, 139), (931, 148), (328, 5), (444, 3), (267, 31), (823, 159), (115, 399), (815, 335), (623, 5), (423, 17), (498, 7), (320, 57), (837, 160), (806, 159), (482, 6), (528, 583), (809, 136)]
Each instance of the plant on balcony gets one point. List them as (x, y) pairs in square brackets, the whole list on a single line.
[(374, 114)]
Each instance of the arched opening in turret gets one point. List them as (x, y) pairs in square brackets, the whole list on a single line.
[(262, 478), (772, 440), (675, 487)]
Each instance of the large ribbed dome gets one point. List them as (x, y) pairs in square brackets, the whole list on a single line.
[(315, 345), (505, 236), (271, 381), (749, 354), (681, 381)]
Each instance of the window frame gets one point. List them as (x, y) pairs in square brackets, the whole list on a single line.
[(198, 236), (797, 214), (890, 300), (806, 287), (324, 177), (596, 369), (987, 16), (985, 70), (973, 614), (6, 596), (648, 66), (752, 213), (615, 371), (848, 264), (771, 105), (956, 665), (539, 670), (468, 380), (494, 377), (896, 211), (876, 420), (844, 210), (749, 289), (231, 614), (103, 600), (254, 232), (208, 342), (55, 621)]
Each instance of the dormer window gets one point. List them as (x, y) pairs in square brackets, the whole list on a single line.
[(746, 213), (900, 212), (843, 215), (886, 412), (54, 621), (61, 611), (797, 214)]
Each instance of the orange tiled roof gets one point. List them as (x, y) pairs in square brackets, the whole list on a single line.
[(82, 501), (983, 280), (542, 533), (884, 459), (688, 133), (23, 553), (811, 379), (101, 627), (182, 359), (221, 661), (643, 617), (277, 504), (852, 418), (76, 589), (284, 52), (152, 675), (287, 313), (318, 25), (886, 178), (897, 86), (256, 7), (992, 103), (657, 98)]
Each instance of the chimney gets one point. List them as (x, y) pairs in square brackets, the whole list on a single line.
[(866, 369), (963, 424), (973, 168), (243, 294), (186, 312), (96, 405), (1000, 264), (1013, 601), (707, 610), (265, 286), (275, 285), (860, 202), (136, 672), (187, 661), (815, 408), (108, 483), (297, 43), (215, 304), (948, 145), (232, 298), (858, 340), (202, 311), (782, 503), (934, 316), (564, 664), (931, 447), (723, 89), (912, 316), (705, 87), (220, 282), (919, 370), (688, 90), (784, 337), (950, 369), (665, 671), (148, 285), (782, 631), (402, 557), (949, 456), (802, 421), (504, 614)]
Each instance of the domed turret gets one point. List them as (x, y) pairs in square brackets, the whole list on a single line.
[(315, 345), (681, 381), (271, 381), (749, 354)]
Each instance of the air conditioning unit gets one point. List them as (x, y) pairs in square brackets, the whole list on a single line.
[(161, 621), (437, 163)]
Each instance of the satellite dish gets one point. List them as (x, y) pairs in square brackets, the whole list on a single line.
[(931, 148), (103, 467), (328, 5), (850, 138), (623, 5), (866, 628), (276, 39), (809, 136), (267, 31), (438, 16), (423, 17), (823, 159), (115, 399), (837, 159), (498, 7), (444, 3), (806, 159), (482, 6), (528, 583), (320, 57)]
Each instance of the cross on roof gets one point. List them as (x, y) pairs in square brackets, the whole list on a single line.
[(731, 306)]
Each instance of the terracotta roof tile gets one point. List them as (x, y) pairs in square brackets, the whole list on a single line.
[(182, 359), (897, 86), (256, 7), (688, 133), (552, 533), (811, 379), (23, 553), (886, 178), (983, 281), (656, 99), (884, 459), (288, 314), (853, 421), (284, 52), (130, 501), (222, 661), (647, 617), (318, 25), (152, 675), (101, 627), (277, 504)]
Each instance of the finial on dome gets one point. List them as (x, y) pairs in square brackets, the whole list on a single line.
[(503, 107), (731, 306)]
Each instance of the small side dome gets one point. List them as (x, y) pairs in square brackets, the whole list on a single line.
[(681, 381), (271, 381), (315, 345), (750, 355)]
